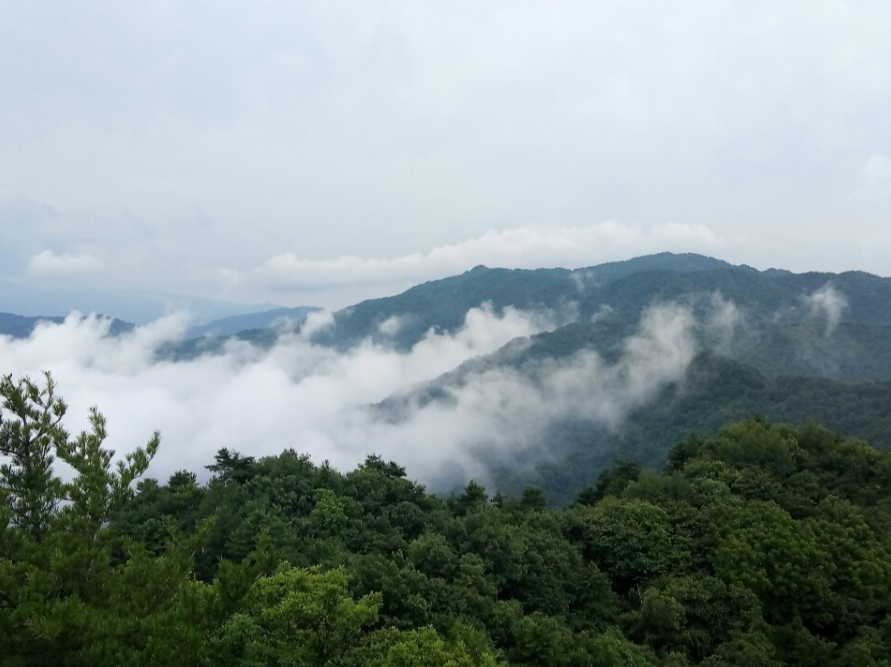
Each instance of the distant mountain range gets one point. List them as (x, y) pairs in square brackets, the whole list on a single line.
[(621, 288), (229, 326), (250, 325), (804, 346), (18, 326), (131, 305)]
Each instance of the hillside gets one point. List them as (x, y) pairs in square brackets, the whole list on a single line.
[(622, 288), (799, 348), (229, 326), (18, 326), (782, 327), (442, 304), (714, 391)]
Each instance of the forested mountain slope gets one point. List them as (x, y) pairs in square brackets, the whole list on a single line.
[(813, 324), (789, 347), (442, 304), (714, 391), (621, 288)]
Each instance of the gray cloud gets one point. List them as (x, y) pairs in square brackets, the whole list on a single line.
[(526, 247), (178, 140)]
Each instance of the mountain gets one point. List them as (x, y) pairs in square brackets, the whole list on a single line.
[(139, 306), (574, 447), (228, 326), (442, 304), (621, 288), (712, 391), (19, 326), (784, 325), (813, 346)]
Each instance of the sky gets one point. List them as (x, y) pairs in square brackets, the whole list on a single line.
[(320, 153)]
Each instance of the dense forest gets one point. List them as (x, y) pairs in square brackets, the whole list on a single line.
[(762, 544)]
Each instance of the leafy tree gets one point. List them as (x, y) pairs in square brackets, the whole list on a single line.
[(296, 617)]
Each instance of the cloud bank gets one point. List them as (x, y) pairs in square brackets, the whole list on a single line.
[(49, 263), (316, 400), (259, 402)]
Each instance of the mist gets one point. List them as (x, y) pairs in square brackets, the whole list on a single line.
[(497, 413), (296, 395), (826, 303), (319, 401)]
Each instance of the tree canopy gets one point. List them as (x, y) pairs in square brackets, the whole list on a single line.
[(763, 544)]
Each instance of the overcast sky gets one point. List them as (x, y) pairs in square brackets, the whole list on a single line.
[(320, 153)]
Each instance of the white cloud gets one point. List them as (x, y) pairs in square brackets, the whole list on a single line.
[(390, 326), (499, 412), (524, 247), (48, 263), (259, 402), (316, 400), (827, 302)]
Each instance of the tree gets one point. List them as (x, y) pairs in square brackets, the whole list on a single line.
[(30, 432), (296, 617), (58, 590), (32, 436)]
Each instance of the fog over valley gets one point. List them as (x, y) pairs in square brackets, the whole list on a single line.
[(314, 399)]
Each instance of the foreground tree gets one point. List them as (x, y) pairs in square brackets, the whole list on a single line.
[(32, 437), (58, 586)]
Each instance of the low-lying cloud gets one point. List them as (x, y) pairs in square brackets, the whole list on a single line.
[(316, 400), (827, 302), (297, 394), (498, 412)]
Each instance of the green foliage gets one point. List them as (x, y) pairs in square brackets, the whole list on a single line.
[(30, 433), (762, 545), (631, 540), (295, 617), (715, 391)]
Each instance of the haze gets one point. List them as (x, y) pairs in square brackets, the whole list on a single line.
[(321, 153)]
